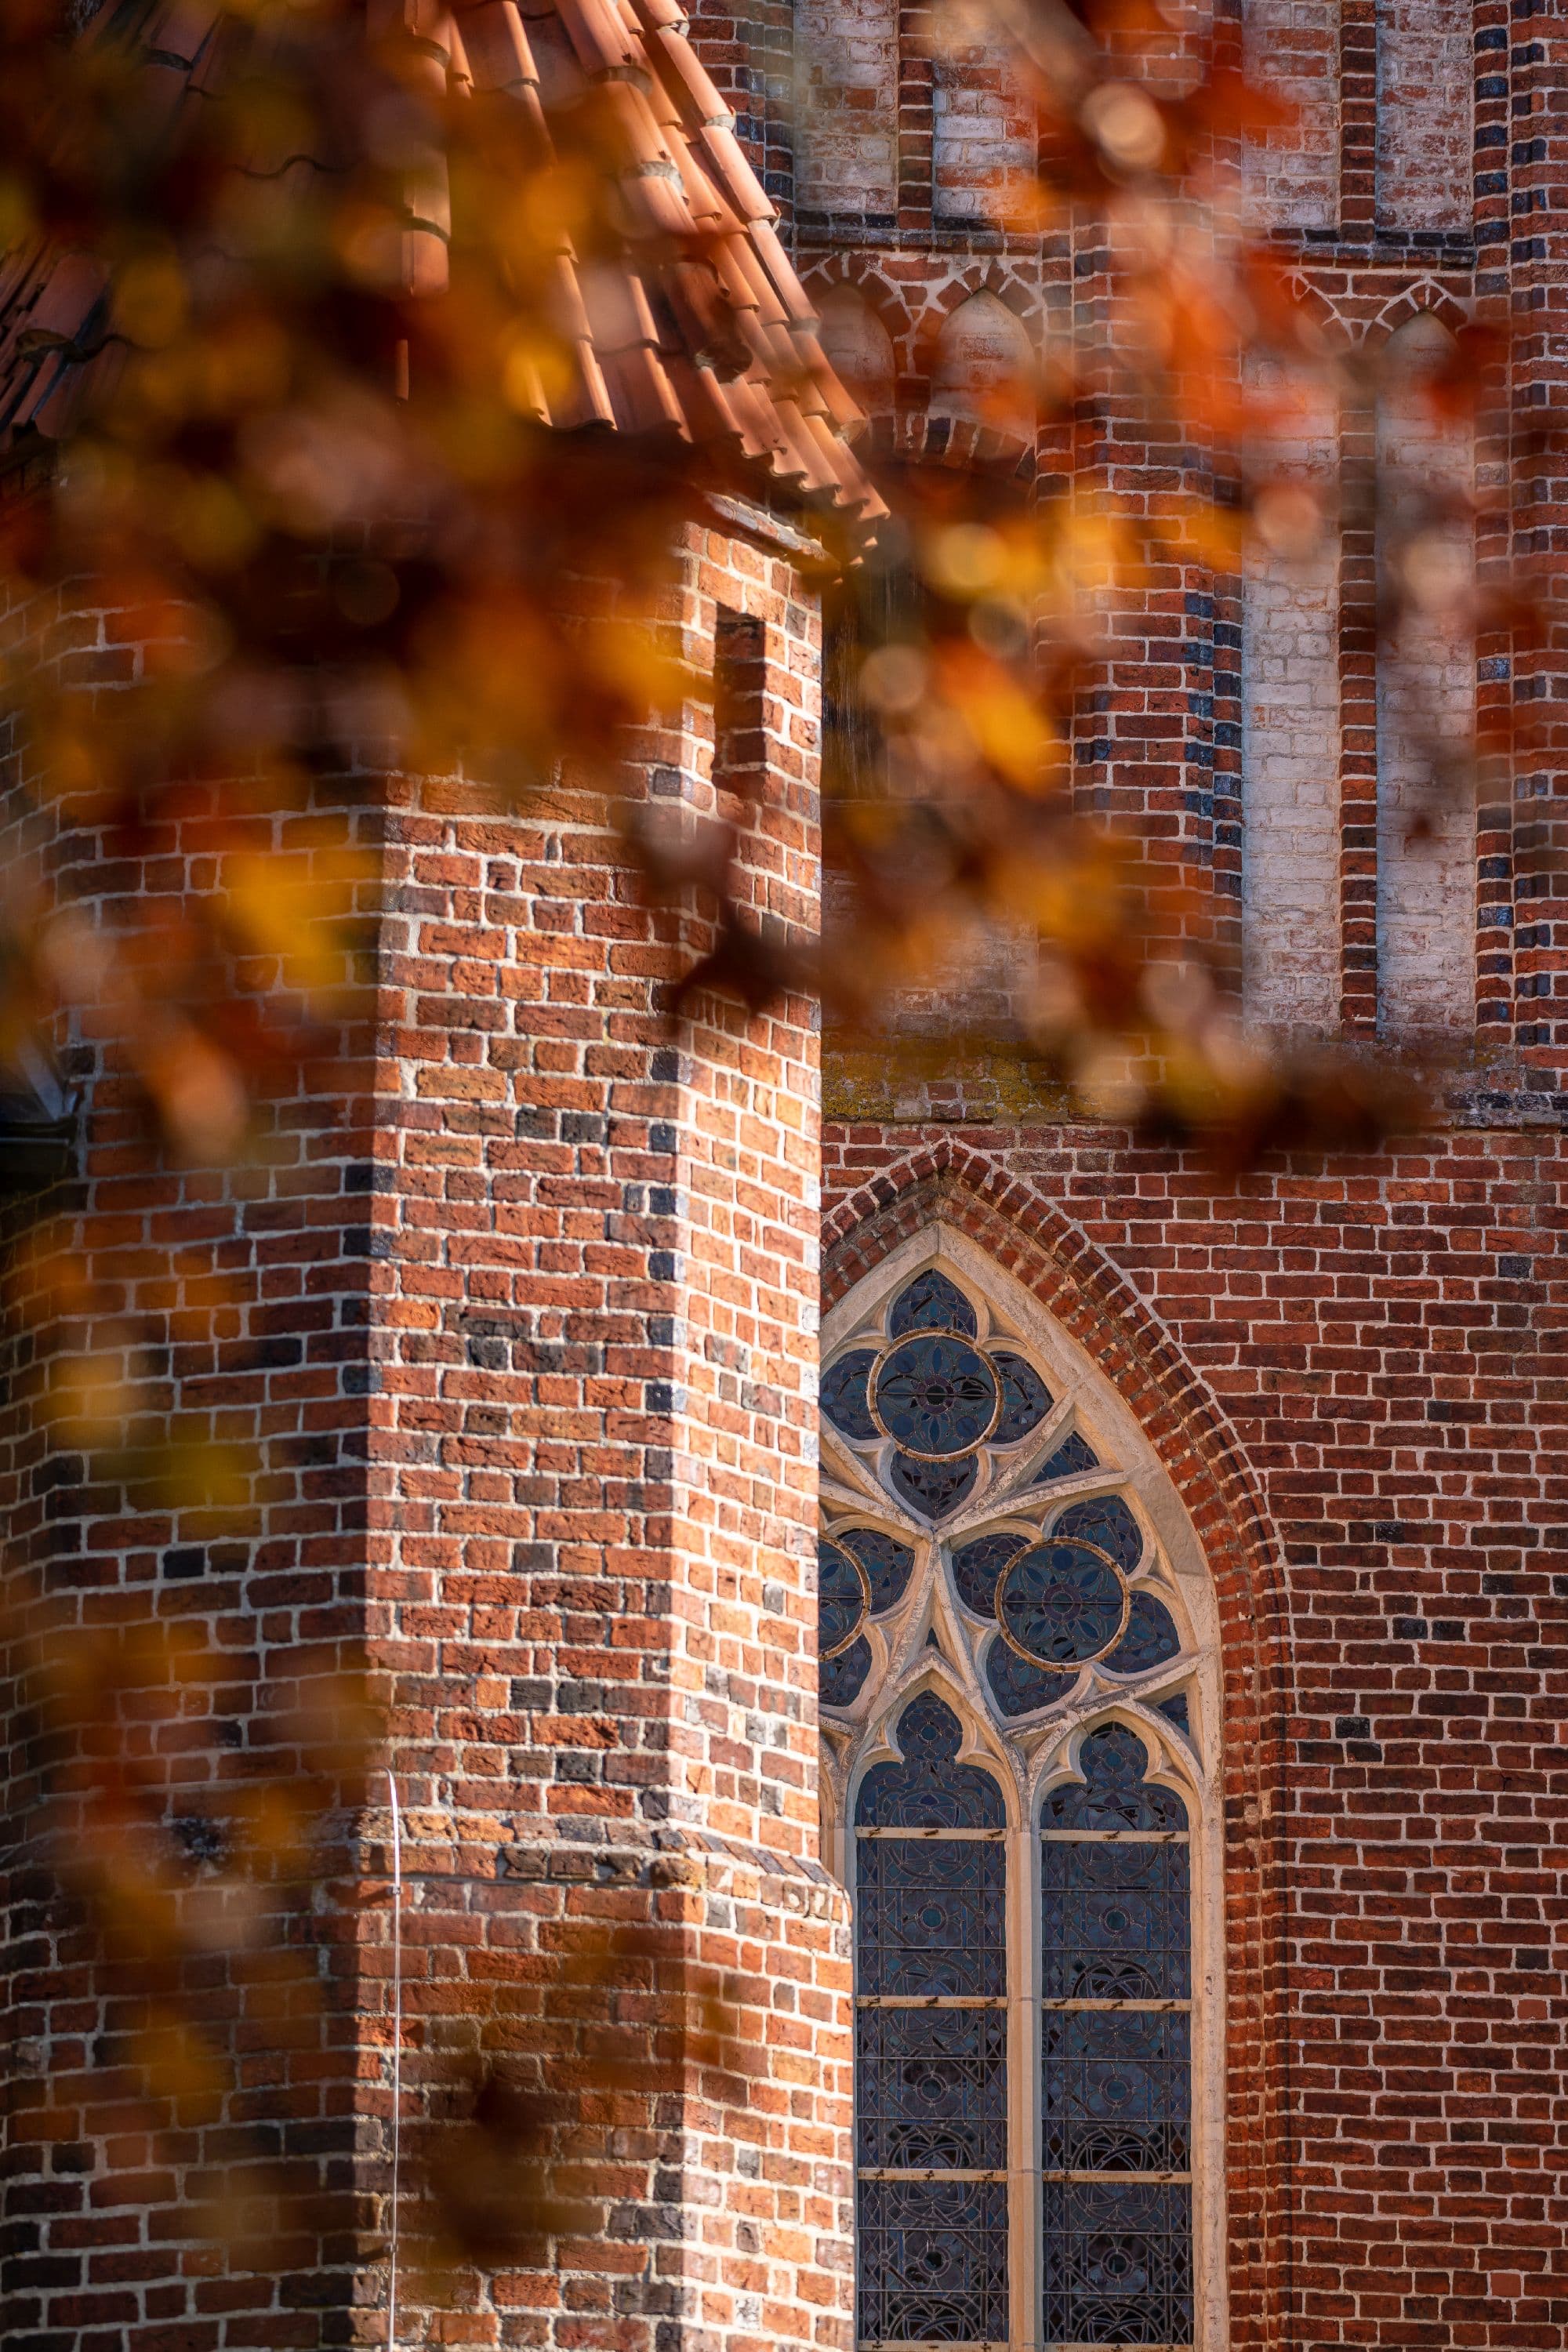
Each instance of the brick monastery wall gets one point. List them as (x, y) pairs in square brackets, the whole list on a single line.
[(523, 1349), (592, 1437), (510, 1326)]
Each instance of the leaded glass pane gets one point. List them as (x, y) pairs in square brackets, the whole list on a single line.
[(1113, 1922), (1061, 1604), (977, 1566), (932, 1917), (1017, 1687), (935, 1396), (840, 1678), (931, 2086), (933, 2262), (1116, 2090), (1118, 2263), (1113, 1793), (931, 1303), (1149, 1639), (843, 1598), (933, 1488), (1174, 1710), (886, 1561), (1116, 2081), (1105, 1520), (1026, 1399), (845, 1394), (929, 1786), (1073, 1454)]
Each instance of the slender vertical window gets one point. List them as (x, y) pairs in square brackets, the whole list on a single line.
[(1013, 1683), (931, 2042), (1116, 2066)]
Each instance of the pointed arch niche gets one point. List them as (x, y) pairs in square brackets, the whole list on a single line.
[(1021, 1734)]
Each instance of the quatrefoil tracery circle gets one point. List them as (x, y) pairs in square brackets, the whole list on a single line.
[(1092, 1601), (957, 1379), (832, 1559)]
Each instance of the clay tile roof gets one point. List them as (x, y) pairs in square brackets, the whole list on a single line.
[(701, 329)]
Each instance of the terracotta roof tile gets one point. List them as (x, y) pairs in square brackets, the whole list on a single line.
[(701, 329)]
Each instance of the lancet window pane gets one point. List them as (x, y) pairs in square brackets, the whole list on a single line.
[(1116, 2053), (930, 1920)]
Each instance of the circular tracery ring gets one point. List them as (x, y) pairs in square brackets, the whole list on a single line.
[(935, 1395), (843, 1599), (1062, 1604)]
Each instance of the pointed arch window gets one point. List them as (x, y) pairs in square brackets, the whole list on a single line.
[(932, 2041), (1016, 1683)]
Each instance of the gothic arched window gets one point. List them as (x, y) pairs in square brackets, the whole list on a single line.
[(1018, 1696)]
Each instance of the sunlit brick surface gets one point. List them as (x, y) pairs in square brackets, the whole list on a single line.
[(1291, 173), (1290, 747), (1424, 131)]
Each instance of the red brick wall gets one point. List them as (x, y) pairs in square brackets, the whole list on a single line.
[(509, 1326), (160, 1317), (592, 1441)]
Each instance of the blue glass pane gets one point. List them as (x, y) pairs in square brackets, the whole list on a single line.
[(930, 2087), (1116, 2090), (1108, 1522), (1026, 1399), (977, 1566), (844, 1397), (1174, 1710), (931, 1303), (1114, 1922), (841, 1598), (1113, 1793), (1017, 1687), (1062, 1603), (840, 1680), (929, 1788), (933, 1489), (931, 1917), (936, 1397), (886, 1561), (1074, 1454), (1118, 2263), (1149, 1639), (933, 2262)]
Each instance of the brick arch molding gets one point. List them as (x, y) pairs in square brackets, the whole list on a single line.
[(1414, 303), (1031, 1240), (862, 276)]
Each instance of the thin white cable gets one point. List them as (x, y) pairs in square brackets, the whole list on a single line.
[(396, 2056)]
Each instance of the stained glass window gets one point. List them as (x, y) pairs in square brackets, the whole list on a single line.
[(931, 1938), (948, 1559), (1115, 2053)]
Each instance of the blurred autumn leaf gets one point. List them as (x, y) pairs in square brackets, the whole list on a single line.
[(368, 374), (328, 313)]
